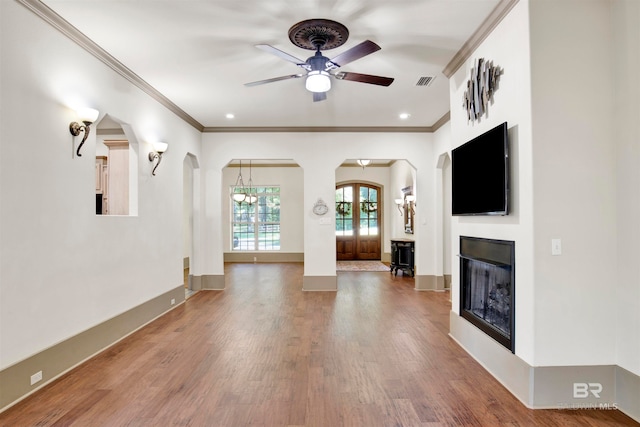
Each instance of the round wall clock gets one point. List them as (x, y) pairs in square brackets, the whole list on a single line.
[(320, 207)]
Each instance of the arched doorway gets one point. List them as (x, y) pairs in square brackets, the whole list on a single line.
[(358, 222), (190, 199)]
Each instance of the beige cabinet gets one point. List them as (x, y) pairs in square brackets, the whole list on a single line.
[(101, 162), (118, 177), (101, 186)]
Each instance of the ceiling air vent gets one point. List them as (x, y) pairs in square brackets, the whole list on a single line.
[(425, 81)]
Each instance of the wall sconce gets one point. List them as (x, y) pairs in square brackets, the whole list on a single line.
[(86, 116), (363, 162), (411, 202), (400, 204), (160, 148)]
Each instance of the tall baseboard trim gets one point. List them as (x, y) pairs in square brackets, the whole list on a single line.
[(68, 354), (195, 282), (447, 281), (429, 283), (320, 283), (553, 387), (260, 257), (550, 387), (386, 257), (211, 282), (511, 371), (628, 392)]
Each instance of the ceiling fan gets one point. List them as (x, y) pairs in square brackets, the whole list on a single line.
[(318, 35)]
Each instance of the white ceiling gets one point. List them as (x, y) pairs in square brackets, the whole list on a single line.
[(199, 54)]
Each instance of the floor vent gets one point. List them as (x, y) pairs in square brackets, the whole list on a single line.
[(425, 81)]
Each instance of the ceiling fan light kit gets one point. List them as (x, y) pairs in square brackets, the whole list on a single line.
[(318, 81), (318, 35)]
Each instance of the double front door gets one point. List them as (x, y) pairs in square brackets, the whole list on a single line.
[(357, 222)]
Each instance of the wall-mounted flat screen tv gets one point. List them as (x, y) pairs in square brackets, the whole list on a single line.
[(480, 174)]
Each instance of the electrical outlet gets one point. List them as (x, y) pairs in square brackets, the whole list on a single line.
[(255, 259), (173, 301), (36, 377)]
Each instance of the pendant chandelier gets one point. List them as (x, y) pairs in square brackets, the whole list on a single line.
[(239, 196), (251, 196), (242, 193)]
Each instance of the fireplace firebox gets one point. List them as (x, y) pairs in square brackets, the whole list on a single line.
[(487, 287)]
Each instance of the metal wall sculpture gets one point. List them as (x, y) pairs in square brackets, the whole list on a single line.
[(480, 87)]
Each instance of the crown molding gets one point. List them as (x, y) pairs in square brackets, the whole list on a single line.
[(441, 121), (75, 35), (335, 129), (489, 24), (290, 129)]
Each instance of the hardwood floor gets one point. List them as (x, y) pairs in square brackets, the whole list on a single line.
[(265, 353)]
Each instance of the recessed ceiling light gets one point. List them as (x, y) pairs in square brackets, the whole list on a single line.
[(230, 116), (404, 116)]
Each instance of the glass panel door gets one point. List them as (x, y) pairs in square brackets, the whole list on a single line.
[(368, 211), (344, 211), (357, 222)]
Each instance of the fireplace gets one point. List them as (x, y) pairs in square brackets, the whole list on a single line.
[(487, 287)]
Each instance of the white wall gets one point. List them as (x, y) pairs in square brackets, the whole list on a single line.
[(626, 128), (64, 269), (290, 180), (446, 223), (574, 182), (187, 208), (574, 135), (508, 47)]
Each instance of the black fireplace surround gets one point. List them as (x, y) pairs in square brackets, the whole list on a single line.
[(487, 287)]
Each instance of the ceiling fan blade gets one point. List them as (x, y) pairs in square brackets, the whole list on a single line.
[(275, 79), (365, 78), (319, 96), (363, 49), (280, 54)]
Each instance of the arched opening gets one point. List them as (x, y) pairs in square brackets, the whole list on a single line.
[(189, 165), (443, 196), (262, 207), (116, 168), (389, 177)]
